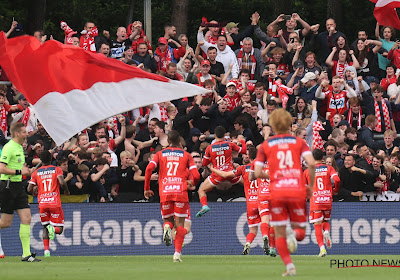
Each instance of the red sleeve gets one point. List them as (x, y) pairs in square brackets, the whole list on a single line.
[(306, 177), (7, 107), (304, 148), (193, 170), (33, 179), (385, 83), (261, 156), (179, 52), (390, 55), (59, 172), (335, 177), (207, 157), (239, 170), (149, 171)]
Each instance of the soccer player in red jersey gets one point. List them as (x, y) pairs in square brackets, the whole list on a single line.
[(175, 165), (220, 155), (250, 189), (46, 182), (321, 200), (263, 195), (288, 192)]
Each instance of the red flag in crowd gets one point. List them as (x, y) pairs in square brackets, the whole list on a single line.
[(386, 14), (71, 89)]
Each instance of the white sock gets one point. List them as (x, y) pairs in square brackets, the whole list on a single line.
[(177, 254), (322, 247), (1, 249), (290, 266)]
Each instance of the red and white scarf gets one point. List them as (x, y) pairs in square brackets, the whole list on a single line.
[(26, 116), (340, 69), (386, 116), (68, 31), (278, 90), (87, 40), (247, 61), (318, 143), (115, 126), (164, 58), (272, 87), (350, 118), (164, 115), (3, 121)]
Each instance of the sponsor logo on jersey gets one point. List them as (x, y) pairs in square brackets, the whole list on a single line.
[(283, 140), (171, 153), (337, 103), (220, 147)]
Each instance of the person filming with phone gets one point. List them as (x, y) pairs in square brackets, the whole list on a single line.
[(291, 24)]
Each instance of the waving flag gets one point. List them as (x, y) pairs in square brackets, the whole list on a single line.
[(386, 14), (71, 89)]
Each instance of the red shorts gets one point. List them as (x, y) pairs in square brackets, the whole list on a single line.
[(263, 207), (253, 216), (319, 215), (282, 212), (53, 216), (215, 180), (174, 208)]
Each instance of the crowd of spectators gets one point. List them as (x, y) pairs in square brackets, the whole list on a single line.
[(342, 94)]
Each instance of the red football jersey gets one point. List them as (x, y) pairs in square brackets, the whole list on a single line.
[(283, 153), (321, 198), (337, 103), (250, 187), (48, 186), (263, 185), (220, 155), (232, 102), (174, 164)]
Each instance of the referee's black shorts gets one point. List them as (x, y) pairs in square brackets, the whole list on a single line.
[(12, 198)]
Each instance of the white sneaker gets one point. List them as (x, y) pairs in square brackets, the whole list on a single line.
[(246, 249), (167, 235), (177, 257), (2, 254), (291, 239), (327, 239), (290, 272)]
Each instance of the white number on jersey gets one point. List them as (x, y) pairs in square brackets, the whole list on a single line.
[(285, 159), (220, 160), (320, 183), (47, 184), (172, 168)]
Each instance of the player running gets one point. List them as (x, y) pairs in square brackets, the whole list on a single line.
[(46, 182), (220, 155), (288, 192), (321, 200), (175, 164), (263, 195)]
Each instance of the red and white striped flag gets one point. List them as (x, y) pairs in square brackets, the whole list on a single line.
[(386, 14), (71, 89)]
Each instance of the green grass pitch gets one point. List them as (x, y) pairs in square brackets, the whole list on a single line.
[(192, 267)]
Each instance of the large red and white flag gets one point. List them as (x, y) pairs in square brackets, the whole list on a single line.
[(385, 12), (71, 89)]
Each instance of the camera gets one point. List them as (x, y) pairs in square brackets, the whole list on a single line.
[(287, 17)]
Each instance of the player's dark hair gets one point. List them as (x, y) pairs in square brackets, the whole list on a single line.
[(59, 161), (252, 152), (318, 154), (45, 157), (174, 138), (219, 131), (100, 161)]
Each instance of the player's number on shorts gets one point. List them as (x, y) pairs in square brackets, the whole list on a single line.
[(320, 183), (220, 160), (172, 168), (285, 159), (47, 185)]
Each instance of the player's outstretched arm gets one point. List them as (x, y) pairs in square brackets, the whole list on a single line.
[(311, 171)]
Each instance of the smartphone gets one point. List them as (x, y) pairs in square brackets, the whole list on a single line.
[(287, 17), (291, 40)]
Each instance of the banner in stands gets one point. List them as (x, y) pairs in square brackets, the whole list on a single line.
[(136, 229)]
